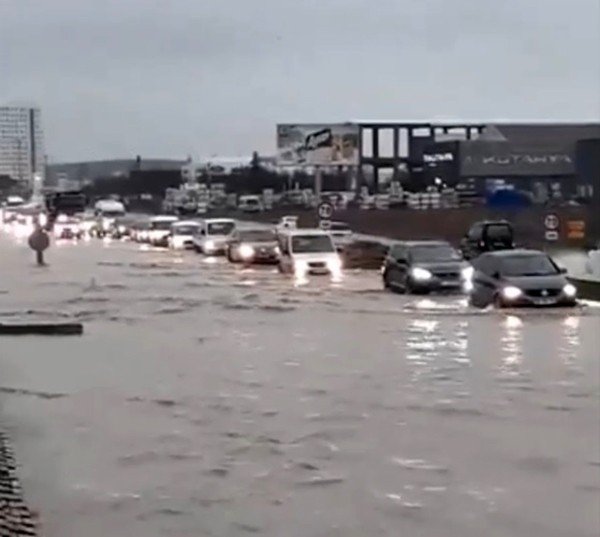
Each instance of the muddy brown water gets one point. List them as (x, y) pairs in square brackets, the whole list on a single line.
[(209, 400)]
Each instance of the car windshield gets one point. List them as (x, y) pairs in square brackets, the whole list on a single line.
[(528, 265), (161, 225), (185, 230), (220, 228), (112, 214), (499, 232), (303, 244), (426, 254), (257, 235)]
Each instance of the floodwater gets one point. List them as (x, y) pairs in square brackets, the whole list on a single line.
[(210, 400)]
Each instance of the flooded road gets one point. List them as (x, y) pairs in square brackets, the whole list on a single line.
[(210, 400)]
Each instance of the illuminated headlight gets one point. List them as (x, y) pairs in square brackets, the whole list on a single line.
[(209, 246), (43, 219), (61, 218), (300, 268), (335, 265), (277, 250), (467, 273), (420, 274), (246, 251), (570, 290), (58, 231), (106, 224), (122, 229), (510, 292)]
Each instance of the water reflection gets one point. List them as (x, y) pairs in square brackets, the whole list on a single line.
[(570, 340), (437, 352), (512, 345)]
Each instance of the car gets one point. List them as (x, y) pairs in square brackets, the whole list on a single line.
[(67, 227), (139, 231), (341, 234), (214, 235), (519, 277), (487, 236), (308, 251), (421, 267), (253, 246), (107, 211), (250, 204), (122, 227), (182, 234), (287, 222), (159, 229)]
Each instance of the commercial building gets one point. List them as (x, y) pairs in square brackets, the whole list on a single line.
[(21, 144)]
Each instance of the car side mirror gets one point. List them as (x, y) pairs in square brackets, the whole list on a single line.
[(562, 270), (496, 275)]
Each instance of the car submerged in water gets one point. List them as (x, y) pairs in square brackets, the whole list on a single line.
[(422, 267), (516, 278), (253, 246), (308, 252)]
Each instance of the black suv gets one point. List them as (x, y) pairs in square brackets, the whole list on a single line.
[(487, 236), (423, 266)]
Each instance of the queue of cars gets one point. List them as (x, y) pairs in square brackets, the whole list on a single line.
[(488, 266)]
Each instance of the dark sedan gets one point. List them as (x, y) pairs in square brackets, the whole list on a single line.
[(424, 266), (514, 278), (253, 246)]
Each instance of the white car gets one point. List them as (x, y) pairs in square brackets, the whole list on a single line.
[(308, 251), (182, 234), (159, 229), (214, 235), (250, 204), (341, 234), (107, 211)]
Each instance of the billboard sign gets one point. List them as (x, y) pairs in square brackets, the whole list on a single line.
[(333, 144)]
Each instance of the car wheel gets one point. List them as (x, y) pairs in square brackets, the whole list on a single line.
[(498, 302)]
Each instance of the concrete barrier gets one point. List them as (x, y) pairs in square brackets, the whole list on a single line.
[(16, 519), (41, 329)]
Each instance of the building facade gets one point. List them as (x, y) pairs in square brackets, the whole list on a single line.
[(21, 143)]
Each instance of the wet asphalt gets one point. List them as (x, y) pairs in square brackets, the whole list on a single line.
[(205, 399)]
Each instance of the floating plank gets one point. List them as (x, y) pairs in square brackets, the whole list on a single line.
[(41, 329)]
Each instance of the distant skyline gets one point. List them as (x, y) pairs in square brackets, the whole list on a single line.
[(166, 79)]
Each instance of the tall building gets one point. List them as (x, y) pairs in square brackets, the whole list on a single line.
[(21, 143)]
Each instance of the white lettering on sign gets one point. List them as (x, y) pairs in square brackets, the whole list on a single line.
[(438, 157), (551, 222)]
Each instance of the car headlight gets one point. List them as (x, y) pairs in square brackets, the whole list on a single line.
[(420, 274), (334, 264), (246, 251), (510, 292), (300, 268), (277, 250), (570, 290), (122, 229), (467, 273)]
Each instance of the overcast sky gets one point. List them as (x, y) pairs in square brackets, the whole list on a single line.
[(167, 78)]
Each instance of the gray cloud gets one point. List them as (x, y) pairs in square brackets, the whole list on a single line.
[(117, 78)]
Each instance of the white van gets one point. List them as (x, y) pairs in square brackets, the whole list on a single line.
[(106, 212), (159, 229), (308, 251), (250, 204), (214, 235), (183, 233)]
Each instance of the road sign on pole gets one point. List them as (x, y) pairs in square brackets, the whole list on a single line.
[(325, 210), (551, 222)]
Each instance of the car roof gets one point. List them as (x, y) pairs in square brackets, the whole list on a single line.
[(492, 223), (218, 220), (186, 223), (411, 244), (307, 232), (514, 253), (164, 218)]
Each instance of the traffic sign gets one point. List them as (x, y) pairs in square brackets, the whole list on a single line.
[(39, 240), (325, 225), (551, 222), (551, 235), (325, 210)]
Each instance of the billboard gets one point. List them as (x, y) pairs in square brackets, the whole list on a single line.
[(324, 144)]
